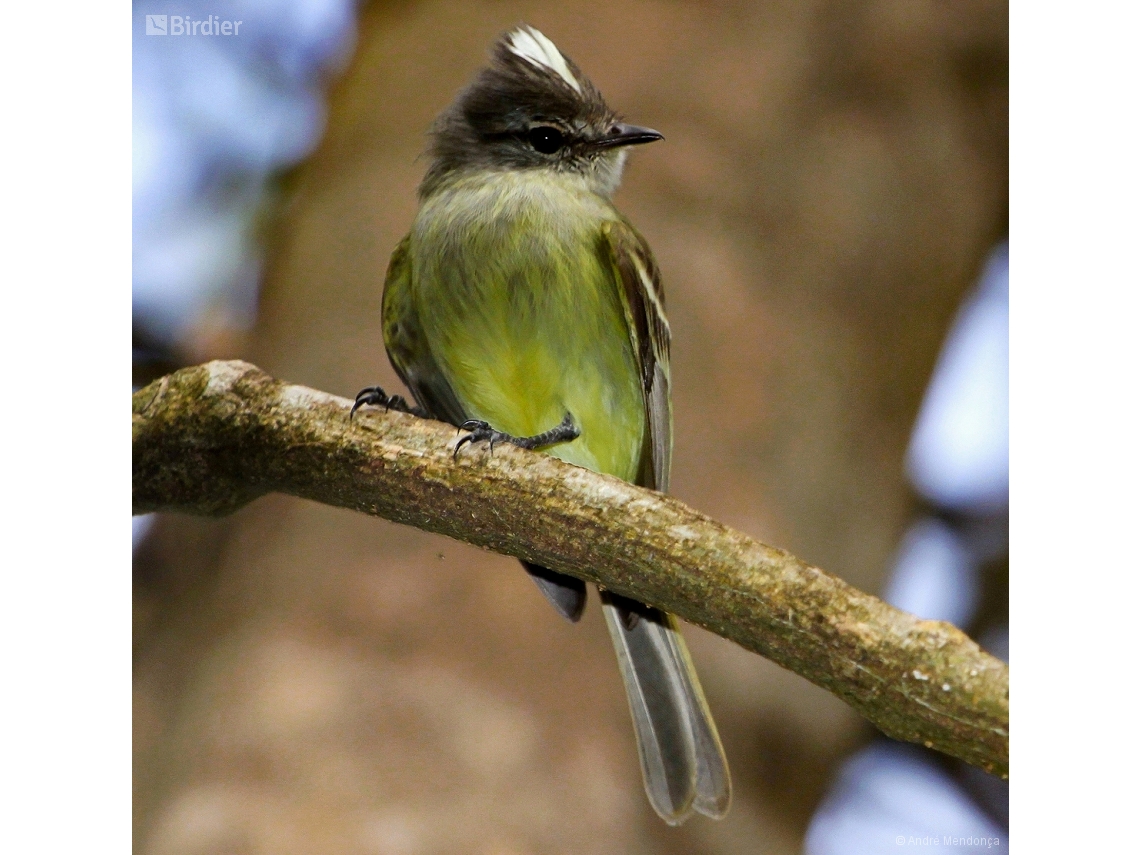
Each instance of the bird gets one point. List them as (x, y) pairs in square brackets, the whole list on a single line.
[(522, 307)]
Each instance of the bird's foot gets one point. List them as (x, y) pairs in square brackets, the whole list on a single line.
[(376, 397), (480, 431)]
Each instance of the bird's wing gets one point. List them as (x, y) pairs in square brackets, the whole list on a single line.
[(644, 303), (407, 346)]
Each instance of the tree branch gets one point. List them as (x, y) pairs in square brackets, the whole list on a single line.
[(212, 438)]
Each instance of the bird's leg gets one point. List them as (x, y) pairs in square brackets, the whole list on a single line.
[(480, 431), (377, 397)]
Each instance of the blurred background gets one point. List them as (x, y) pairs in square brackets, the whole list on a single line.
[(829, 211)]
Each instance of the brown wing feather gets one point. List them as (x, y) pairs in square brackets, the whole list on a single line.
[(644, 302)]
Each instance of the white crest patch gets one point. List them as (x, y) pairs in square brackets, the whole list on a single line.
[(537, 49)]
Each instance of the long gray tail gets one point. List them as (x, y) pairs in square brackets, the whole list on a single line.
[(682, 760)]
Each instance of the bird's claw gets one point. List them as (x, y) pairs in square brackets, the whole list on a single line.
[(480, 431), (377, 397)]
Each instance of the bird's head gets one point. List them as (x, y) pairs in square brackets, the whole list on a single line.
[(532, 108)]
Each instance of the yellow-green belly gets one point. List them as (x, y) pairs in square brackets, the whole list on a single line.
[(524, 316)]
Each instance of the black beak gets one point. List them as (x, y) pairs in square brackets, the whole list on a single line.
[(620, 135)]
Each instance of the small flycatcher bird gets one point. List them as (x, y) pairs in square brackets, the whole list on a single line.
[(524, 308)]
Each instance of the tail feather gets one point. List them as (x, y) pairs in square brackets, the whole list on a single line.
[(714, 786), (682, 761)]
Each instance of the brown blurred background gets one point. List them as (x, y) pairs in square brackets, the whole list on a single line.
[(311, 680)]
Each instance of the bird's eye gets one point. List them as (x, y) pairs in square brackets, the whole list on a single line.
[(546, 139)]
